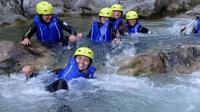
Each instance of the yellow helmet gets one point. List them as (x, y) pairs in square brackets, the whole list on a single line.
[(106, 12), (44, 7), (84, 51), (131, 15), (117, 7)]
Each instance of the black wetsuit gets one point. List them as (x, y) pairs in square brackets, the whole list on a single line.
[(32, 29), (142, 29), (56, 85)]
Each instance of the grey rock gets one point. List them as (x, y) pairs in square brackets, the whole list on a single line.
[(14, 56), (10, 19), (182, 59)]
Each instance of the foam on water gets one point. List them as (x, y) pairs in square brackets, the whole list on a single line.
[(109, 92)]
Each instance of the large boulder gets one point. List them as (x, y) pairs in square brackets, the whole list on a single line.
[(146, 8), (14, 56), (181, 59), (157, 8), (88, 6)]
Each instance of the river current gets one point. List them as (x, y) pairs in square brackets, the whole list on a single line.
[(109, 92)]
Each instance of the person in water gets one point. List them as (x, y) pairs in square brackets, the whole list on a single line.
[(195, 26), (48, 27), (133, 25), (80, 65), (102, 30), (117, 20)]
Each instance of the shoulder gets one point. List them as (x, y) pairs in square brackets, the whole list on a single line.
[(144, 30)]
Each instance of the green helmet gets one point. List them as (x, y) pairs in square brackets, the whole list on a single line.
[(131, 15), (44, 7), (117, 7), (106, 12)]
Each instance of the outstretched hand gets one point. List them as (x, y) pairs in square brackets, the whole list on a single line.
[(26, 42), (183, 28), (27, 70), (116, 41), (72, 38)]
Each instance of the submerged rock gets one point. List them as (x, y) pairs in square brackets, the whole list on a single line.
[(181, 59), (12, 19), (14, 56)]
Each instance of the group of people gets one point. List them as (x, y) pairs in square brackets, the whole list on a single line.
[(109, 27), (49, 32)]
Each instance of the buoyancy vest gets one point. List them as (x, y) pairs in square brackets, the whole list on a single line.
[(48, 33), (134, 29), (198, 26), (100, 34), (116, 23), (71, 71)]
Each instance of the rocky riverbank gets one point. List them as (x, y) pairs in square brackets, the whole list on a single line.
[(145, 8)]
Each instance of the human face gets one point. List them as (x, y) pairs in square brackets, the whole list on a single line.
[(83, 62), (117, 14), (132, 22), (47, 18), (103, 19)]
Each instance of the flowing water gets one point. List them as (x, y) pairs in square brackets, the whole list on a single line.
[(109, 92)]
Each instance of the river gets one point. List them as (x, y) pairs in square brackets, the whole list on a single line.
[(109, 92)]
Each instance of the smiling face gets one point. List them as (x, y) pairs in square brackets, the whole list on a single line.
[(47, 18), (117, 14), (83, 62), (103, 19), (132, 22)]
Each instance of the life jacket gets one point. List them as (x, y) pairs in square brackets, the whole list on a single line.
[(134, 29), (71, 71), (48, 33), (100, 34), (198, 26), (116, 23)]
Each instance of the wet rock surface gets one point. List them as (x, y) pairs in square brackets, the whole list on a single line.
[(182, 59), (14, 56)]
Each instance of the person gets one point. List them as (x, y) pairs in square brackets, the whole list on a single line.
[(193, 25), (116, 19), (197, 29), (80, 65), (48, 27), (133, 25), (102, 30)]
